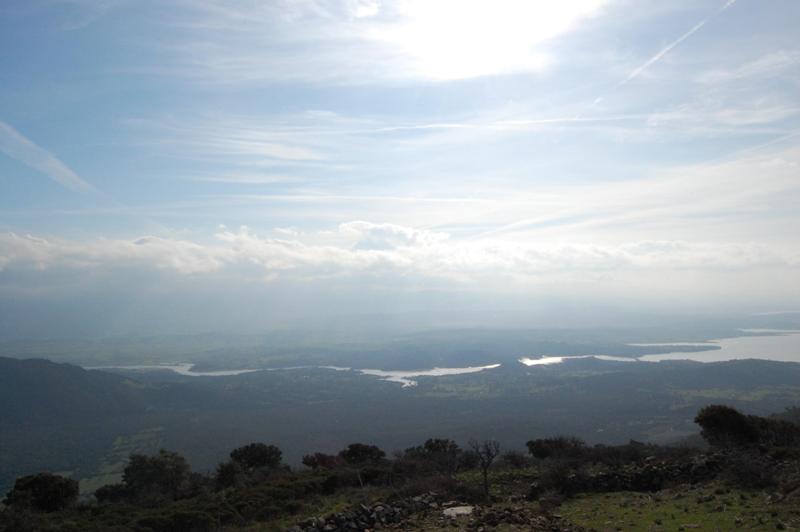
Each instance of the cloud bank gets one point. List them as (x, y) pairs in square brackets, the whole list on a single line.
[(361, 248)]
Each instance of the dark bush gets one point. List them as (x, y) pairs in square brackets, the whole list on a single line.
[(330, 485), (151, 478), (256, 455), (514, 460), (776, 432), (558, 446), (228, 475), (750, 470), (359, 454), (723, 426), (43, 492), (184, 520), (111, 493), (468, 460), (561, 476), (435, 455), (322, 461), (617, 455)]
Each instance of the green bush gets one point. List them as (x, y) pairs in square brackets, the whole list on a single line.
[(43, 492)]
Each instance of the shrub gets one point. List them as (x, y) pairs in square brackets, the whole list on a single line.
[(750, 470), (561, 476), (322, 461), (514, 460), (150, 478), (43, 492), (359, 453), (195, 521), (723, 426), (468, 460), (256, 455), (435, 455), (228, 475), (558, 446), (112, 493)]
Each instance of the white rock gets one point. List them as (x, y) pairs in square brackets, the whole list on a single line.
[(455, 511)]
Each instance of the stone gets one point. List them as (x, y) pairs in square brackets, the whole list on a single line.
[(455, 511)]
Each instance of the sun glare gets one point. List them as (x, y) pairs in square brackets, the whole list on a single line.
[(452, 39)]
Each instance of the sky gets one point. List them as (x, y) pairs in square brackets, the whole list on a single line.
[(227, 165)]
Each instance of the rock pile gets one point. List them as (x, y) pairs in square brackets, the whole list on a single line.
[(368, 517), (397, 515), (652, 475)]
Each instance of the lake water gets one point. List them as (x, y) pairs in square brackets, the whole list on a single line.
[(546, 361), (180, 369), (778, 347), (406, 378)]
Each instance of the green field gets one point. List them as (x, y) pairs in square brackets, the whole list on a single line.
[(709, 507)]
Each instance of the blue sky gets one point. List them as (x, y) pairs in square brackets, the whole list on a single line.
[(400, 152)]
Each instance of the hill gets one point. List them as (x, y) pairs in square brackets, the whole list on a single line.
[(61, 417), (748, 477)]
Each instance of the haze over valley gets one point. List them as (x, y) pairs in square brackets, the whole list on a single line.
[(336, 265)]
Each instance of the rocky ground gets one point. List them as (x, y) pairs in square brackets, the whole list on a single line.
[(655, 494), (429, 512)]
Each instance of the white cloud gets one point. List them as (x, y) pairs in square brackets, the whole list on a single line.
[(714, 112), (765, 67), (240, 143), (245, 178), (412, 253), (389, 236), (363, 8), (366, 41), (27, 251), (17, 146)]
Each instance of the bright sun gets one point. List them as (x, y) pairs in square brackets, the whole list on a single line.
[(454, 39)]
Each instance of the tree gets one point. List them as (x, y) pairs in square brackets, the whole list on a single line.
[(161, 475), (468, 460), (486, 452), (111, 493), (228, 474), (43, 492), (257, 455), (439, 454), (725, 426), (514, 459), (359, 455), (557, 446), (322, 461)]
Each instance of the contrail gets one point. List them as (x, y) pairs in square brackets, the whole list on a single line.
[(17, 146), (664, 51), (638, 70), (635, 73)]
